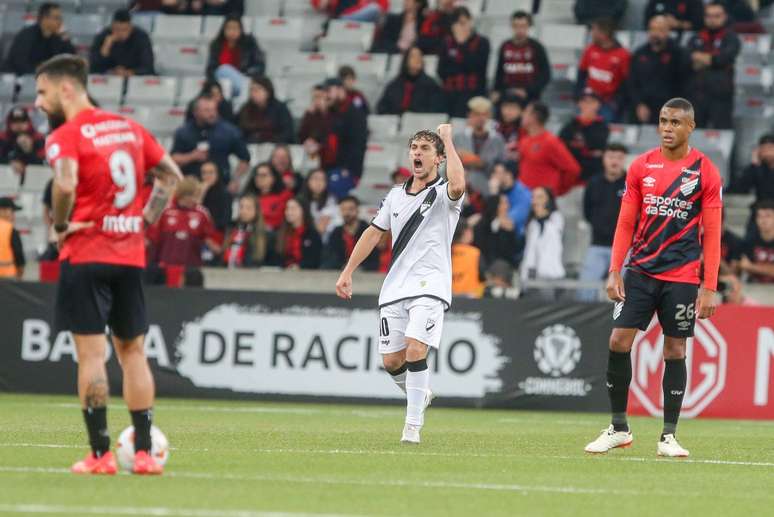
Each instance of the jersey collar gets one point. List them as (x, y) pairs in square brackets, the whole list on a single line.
[(407, 185)]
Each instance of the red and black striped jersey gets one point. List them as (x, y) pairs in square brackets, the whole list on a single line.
[(671, 196)]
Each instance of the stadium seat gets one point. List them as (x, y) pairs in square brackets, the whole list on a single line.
[(373, 66), (753, 78), (624, 134), (36, 177), (563, 36), (259, 153), (262, 7), (181, 58), (144, 22), (106, 89), (103, 6), (368, 195), (14, 21), (151, 90), (381, 156), (27, 89), (310, 64), (722, 140), (164, 122), (383, 126), (412, 122), (555, 11), (168, 27), (755, 47), (9, 182), (297, 8), (502, 9), (140, 114), (275, 33), (298, 94), (348, 36), (85, 24), (191, 86), (211, 25), (7, 87)]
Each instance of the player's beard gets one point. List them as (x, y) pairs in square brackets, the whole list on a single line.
[(55, 118)]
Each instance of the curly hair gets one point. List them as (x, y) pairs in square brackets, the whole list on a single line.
[(429, 136)]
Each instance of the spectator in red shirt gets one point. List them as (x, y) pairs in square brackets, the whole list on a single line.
[(462, 63), (355, 97), (604, 68), (343, 238), (522, 64), (544, 160), (266, 184), (264, 118), (234, 55), (297, 244), (246, 242), (509, 124), (413, 90), (586, 135), (20, 144), (282, 160), (184, 229)]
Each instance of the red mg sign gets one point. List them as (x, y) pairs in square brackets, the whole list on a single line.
[(706, 361)]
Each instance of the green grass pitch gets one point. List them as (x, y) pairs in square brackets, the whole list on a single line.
[(246, 459)]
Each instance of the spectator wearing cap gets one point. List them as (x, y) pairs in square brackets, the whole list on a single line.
[(263, 118), (466, 263), (355, 97), (122, 49), (499, 282), (34, 44), (604, 67), (345, 235), (586, 135), (20, 144), (601, 204), (509, 124), (586, 11), (11, 250), (757, 259), (478, 144), (710, 86), (658, 71), (349, 134), (462, 63), (412, 90), (234, 55), (544, 160), (208, 137), (679, 15), (758, 176), (522, 63), (400, 31)]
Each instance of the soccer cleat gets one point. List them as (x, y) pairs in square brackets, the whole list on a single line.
[(410, 434), (145, 465), (105, 464), (610, 439), (669, 447)]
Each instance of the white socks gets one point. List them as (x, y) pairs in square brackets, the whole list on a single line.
[(400, 380), (417, 384)]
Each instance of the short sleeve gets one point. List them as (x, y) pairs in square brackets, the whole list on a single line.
[(61, 144), (382, 219), (453, 204), (633, 194), (152, 150), (712, 190)]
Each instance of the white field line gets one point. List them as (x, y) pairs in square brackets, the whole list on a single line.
[(367, 452), (443, 485), (154, 511)]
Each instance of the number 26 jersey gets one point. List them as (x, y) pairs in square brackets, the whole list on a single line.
[(113, 155)]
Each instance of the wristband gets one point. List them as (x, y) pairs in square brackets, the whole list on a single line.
[(61, 227)]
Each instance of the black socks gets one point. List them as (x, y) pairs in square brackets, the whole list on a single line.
[(96, 424), (142, 420), (675, 378), (619, 376)]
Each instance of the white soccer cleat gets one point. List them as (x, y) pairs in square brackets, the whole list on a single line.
[(410, 434), (669, 448), (610, 439), (429, 396)]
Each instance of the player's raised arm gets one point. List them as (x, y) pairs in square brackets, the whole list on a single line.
[(167, 175), (455, 172), (365, 245)]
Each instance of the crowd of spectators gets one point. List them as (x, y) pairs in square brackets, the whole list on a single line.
[(276, 214)]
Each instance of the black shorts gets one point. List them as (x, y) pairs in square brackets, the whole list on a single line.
[(674, 302), (93, 296)]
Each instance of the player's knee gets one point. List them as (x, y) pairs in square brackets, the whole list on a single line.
[(620, 343), (416, 350), (393, 362), (674, 348)]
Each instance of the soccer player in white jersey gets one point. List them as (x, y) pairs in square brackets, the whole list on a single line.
[(422, 215)]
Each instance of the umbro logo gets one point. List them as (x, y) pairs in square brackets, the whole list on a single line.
[(649, 181), (654, 165), (395, 214), (609, 386)]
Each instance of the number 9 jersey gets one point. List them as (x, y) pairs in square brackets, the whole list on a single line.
[(113, 155)]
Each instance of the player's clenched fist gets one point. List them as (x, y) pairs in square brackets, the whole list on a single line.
[(444, 131), (344, 286)]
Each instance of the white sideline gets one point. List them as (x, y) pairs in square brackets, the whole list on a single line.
[(366, 452), (155, 511), (499, 487)]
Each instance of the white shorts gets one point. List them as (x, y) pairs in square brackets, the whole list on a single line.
[(417, 318)]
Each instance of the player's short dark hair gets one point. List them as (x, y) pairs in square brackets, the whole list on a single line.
[(347, 71), (606, 25), (617, 147), (541, 110), (679, 103), (351, 198), (65, 65), (432, 137), (522, 15), (46, 8), (460, 12), (122, 16)]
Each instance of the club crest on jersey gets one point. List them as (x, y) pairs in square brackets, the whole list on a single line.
[(649, 182), (688, 187), (424, 208)]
